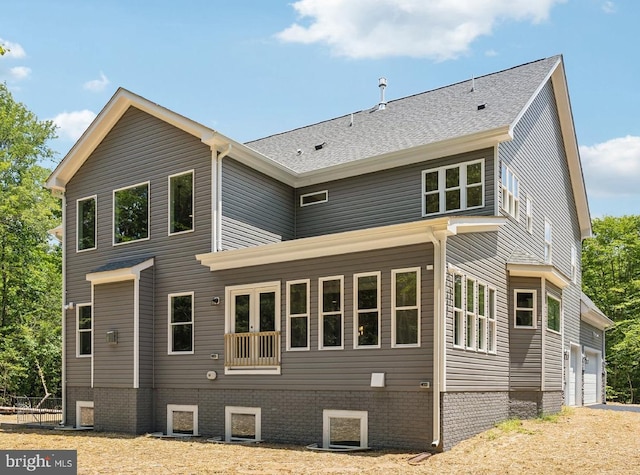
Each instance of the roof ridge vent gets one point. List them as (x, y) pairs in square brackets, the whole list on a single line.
[(382, 84)]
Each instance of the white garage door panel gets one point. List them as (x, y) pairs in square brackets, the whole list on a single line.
[(591, 378)]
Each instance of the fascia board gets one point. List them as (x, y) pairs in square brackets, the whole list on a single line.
[(594, 318), (322, 246), (547, 271), (475, 224)]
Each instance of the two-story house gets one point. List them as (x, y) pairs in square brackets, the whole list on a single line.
[(403, 276)]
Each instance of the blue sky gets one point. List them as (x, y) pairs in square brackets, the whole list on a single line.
[(251, 68)]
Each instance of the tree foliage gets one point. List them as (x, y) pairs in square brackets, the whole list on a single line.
[(611, 278), (30, 275)]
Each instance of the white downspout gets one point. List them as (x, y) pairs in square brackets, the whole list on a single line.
[(216, 196), (63, 243), (439, 331)]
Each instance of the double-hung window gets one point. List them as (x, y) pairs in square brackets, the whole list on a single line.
[(574, 263), (298, 315), (474, 314), (471, 314), (331, 305), (181, 203), (491, 322), (553, 313), (482, 317), (453, 188), (548, 241), (85, 330), (458, 311), (529, 210), (181, 323), (510, 192), (86, 225), (524, 308), (405, 307), (131, 213), (366, 298)]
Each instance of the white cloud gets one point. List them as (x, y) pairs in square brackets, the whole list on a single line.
[(71, 125), (14, 50), (612, 167), (97, 85), (438, 29), (19, 72), (609, 7)]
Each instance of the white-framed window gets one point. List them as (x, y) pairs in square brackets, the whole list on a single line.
[(181, 202), (471, 314), (131, 214), (298, 332), (491, 322), (84, 414), (510, 192), (548, 241), (242, 423), (554, 313), (524, 308), (481, 332), (331, 313), (84, 326), (453, 188), (86, 223), (366, 311), (405, 307), (458, 311), (345, 429), (314, 198), (529, 211), (181, 334), (182, 420), (574, 263)]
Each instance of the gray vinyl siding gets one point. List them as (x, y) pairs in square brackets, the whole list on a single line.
[(553, 351), (525, 344), (146, 322), (471, 370), (591, 337), (537, 156), (347, 369), (256, 209), (113, 310), (139, 148), (382, 198)]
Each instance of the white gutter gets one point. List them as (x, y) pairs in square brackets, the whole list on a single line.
[(439, 331)]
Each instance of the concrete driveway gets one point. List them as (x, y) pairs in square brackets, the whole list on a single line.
[(617, 407)]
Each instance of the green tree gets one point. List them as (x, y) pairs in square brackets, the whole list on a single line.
[(611, 278), (30, 276)]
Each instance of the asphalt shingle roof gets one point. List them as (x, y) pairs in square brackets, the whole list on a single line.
[(421, 119), (123, 264)]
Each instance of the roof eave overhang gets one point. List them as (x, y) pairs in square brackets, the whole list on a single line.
[(591, 314), (547, 271), (119, 275), (384, 237)]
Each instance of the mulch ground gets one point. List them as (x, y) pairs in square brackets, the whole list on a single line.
[(583, 441)]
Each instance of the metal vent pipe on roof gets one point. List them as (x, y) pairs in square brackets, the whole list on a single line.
[(382, 84)]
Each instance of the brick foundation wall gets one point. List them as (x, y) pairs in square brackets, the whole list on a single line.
[(531, 404), (74, 394), (465, 414)]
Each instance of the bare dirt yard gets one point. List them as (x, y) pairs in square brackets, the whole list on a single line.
[(581, 441)]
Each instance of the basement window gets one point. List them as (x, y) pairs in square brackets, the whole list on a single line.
[(242, 424), (84, 413), (182, 420), (344, 429), (317, 197)]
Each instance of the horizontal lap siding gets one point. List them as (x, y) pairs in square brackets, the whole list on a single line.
[(553, 352), (476, 256), (139, 148), (591, 337), (113, 310), (382, 198), (348, 369), (146, 327), (256, 208), (525, 344)]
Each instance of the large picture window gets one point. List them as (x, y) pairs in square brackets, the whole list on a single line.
[(331, 291), (85, 329), (131, 214), (405, 303), (298, 315), (453, 188), (366, 288), (181, 203), (181, 323), (86, 226)]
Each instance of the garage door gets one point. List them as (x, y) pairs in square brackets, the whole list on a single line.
[(591, 377)]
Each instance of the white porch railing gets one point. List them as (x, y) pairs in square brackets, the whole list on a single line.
[(252, 350)]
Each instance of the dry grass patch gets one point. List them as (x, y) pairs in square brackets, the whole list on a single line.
[(585, 441)]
